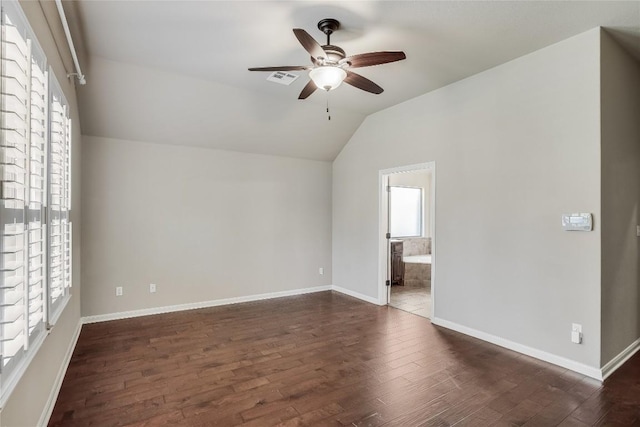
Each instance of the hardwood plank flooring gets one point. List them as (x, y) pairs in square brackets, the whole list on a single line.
[(322, 359)]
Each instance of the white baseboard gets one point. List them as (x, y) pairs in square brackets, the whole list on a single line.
[(203, 304), (356, 295), (53, 396), (619, 360), (520, 348)]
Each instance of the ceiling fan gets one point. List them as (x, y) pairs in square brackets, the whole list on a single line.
[(330, 64)]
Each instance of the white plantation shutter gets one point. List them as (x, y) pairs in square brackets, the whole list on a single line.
[(14, 124), (59, 199), (36, 232), (35, 197), (23, 126), (13, 336), (68, 229)]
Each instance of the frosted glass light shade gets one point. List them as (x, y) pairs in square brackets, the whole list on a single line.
[(328, 77)]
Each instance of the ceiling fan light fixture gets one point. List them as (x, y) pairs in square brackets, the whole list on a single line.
[(328, 77)]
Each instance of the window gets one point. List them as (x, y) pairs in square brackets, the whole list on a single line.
[(59, 200), (35, 231), (405, 211)]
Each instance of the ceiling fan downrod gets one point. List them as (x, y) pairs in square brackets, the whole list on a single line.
[(328, 26)]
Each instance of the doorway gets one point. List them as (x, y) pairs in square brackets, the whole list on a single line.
[(407, 221)]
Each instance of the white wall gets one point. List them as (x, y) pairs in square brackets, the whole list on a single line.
[(30, 398), (620, 198), (202, 224), (515, 147), (417, 179)]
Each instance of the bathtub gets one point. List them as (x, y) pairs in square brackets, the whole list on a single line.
[(417, 259)]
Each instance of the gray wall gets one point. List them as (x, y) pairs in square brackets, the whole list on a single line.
[(132, 102), (26, 404), (515, 147), (202, 224), (620, 79)]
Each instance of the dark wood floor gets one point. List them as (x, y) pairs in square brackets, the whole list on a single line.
[(322, 359)]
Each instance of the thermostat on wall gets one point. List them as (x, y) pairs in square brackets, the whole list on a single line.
[(577, 222)]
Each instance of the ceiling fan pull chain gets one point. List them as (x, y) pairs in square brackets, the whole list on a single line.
[(328, 114)]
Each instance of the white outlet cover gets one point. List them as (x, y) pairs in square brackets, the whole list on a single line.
[(576, 337)]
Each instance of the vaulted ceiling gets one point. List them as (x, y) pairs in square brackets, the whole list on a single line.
[(176, 71)]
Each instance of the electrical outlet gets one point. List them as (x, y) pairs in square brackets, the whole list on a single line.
[(576, 333), (638, 230), (119, 291), (321, 270), (152, 288)]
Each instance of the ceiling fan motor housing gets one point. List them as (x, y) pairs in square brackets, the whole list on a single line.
[(334, 54)]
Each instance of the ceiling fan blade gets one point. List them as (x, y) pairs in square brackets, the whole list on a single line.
[(363, 83), (309, 43), (308, 90), (373, 58), (281, 68)]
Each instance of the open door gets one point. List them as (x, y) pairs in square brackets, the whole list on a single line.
[(387, 190)]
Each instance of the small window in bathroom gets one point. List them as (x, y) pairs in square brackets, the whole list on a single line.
[(405, 211)]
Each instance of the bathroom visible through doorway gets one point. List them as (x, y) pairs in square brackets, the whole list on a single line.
[(409, 238)]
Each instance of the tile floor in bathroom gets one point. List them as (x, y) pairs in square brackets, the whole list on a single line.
[(416, 300)]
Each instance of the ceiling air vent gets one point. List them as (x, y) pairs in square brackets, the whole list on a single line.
[(282, 77)]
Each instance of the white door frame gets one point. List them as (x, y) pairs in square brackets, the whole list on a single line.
[(383, 218)]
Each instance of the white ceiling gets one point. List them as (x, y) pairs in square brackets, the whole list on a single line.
[(216, 41)]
